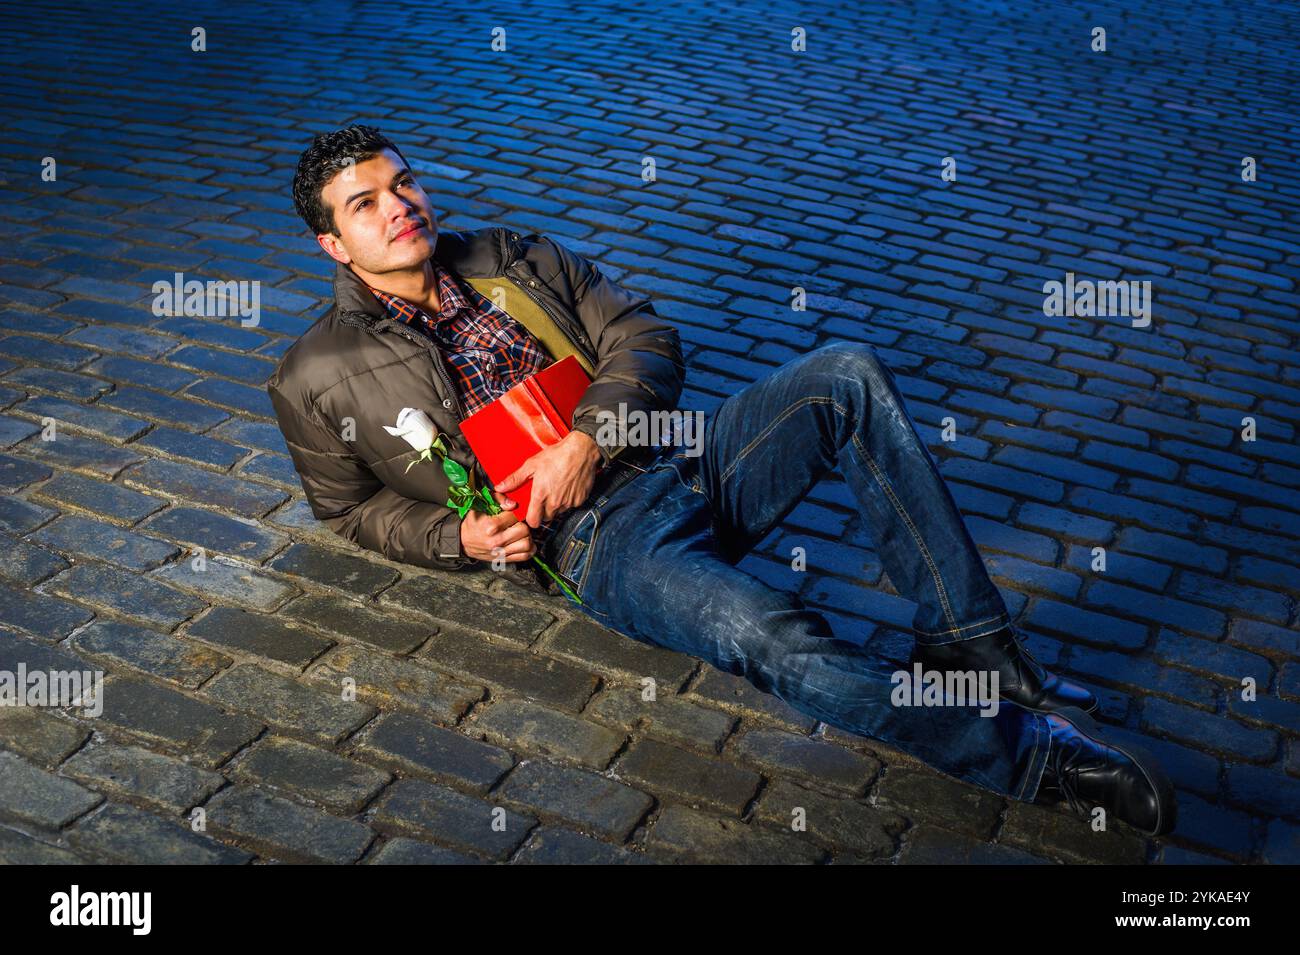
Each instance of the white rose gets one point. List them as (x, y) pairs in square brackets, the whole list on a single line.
[(414, 427)]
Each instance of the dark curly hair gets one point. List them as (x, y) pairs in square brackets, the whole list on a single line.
[(327, 156)]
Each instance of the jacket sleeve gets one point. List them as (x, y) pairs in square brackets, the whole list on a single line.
[(348, 498), (640, 355)]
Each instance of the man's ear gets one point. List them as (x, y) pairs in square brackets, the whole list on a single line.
[(333, 247)]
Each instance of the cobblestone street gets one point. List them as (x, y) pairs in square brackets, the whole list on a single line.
[(1172, 446)]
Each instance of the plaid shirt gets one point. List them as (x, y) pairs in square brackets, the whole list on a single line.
[(489, 351)]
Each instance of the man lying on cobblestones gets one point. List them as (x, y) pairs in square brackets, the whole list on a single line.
[(648, 535)]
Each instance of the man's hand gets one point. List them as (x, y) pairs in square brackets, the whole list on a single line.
[(482, 534), (563, 475)]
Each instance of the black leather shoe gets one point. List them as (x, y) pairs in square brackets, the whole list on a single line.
[(1021, 678), (1087, 769)]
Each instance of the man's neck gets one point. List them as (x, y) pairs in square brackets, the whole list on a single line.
[(419, 286)]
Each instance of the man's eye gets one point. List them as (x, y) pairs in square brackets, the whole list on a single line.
[(406, 181), (362, 204)]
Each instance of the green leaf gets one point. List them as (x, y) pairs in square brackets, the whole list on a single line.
[(454, 471)]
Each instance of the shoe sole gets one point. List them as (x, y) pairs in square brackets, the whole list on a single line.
[(1143, 760), (1034, 709)]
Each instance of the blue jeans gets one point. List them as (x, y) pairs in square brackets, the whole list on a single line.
[(655, 560)]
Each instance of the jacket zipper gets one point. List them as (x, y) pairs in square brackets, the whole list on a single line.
[(561, 325), (579, 345), (577, 339)]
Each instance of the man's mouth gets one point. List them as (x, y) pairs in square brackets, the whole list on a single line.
[(409, 232)]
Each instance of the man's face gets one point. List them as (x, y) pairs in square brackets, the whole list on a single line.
[(385, 220)]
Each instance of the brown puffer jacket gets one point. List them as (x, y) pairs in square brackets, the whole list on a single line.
[(355, 369)]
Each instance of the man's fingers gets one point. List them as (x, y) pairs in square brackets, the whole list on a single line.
[(512, 532), (514, 539), (519, 549), (504, 519), (514, 480), (511, 552)]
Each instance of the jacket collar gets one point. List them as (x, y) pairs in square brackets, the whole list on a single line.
[(476, 253)]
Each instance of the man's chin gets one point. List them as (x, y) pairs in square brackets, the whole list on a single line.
[(413, 253)]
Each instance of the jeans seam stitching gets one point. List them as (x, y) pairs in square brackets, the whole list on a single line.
[(969, 626), (876, 473), (911, 527), (789, 410)]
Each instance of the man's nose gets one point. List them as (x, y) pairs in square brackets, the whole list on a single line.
[(399, 207)]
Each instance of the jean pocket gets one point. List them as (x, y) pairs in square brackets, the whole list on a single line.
[(574, 562)]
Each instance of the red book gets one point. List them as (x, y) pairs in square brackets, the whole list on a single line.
[(532, 415)]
